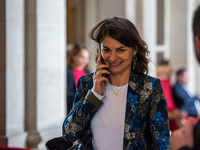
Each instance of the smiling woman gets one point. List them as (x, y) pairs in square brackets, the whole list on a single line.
[(128, 109), (118, 57)]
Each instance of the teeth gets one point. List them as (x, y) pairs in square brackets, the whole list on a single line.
[(115, 63)]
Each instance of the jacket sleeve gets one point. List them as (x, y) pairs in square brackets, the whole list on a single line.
[(158, 119), (85, 106)]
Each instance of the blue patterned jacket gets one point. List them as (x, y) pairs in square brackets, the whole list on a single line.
[(146, 120)]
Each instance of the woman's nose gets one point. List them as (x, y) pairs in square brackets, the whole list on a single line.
[(113, 56)]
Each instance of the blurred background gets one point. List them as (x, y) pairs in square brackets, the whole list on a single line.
[(35, 36)]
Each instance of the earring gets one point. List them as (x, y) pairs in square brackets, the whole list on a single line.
[(134, 61)]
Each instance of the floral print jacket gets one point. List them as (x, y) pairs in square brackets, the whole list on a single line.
[(146, 118)]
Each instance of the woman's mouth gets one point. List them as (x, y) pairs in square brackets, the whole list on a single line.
[(115, 64)]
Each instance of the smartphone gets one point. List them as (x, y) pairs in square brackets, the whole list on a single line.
[(102, 62)]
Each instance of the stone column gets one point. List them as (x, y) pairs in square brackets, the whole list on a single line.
[(139, 16), (90, 22), (15, 73), (110, 8), (130, 10), (50, 68), (3, 138), (33, 137), (178, 33), (134, 12), (150, 32)]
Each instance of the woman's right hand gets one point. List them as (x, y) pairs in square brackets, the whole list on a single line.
[(99, 79)]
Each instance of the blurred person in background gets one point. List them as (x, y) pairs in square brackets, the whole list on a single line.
[(184, 97), (77, 66)]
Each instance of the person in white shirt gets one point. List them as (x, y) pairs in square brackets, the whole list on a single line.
[(119, 107)]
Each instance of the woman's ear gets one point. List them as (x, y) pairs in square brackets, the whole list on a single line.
[(135, 50)]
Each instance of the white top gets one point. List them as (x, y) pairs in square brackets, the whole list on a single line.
[(107, 124)]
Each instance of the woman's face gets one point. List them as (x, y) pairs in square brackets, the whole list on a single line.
[(117, 56), (81, 60)]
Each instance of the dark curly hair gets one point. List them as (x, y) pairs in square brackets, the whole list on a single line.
[(125, 32)]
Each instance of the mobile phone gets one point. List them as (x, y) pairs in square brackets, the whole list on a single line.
[(102, 62)]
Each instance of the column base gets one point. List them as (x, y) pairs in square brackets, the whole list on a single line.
[(49, 134), (33, 139), (3, 140), (17, 139)]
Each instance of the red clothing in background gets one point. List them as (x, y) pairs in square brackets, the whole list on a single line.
[(166, 85), (77, 74)]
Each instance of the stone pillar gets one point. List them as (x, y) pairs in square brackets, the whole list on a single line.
[(130, 10), (32, 71), (50, 68), (139, 16), (150, 32), (134, 12), (178, 33), (110, 8), (90, 22), (15, 73), (3, 138), (33, 137)]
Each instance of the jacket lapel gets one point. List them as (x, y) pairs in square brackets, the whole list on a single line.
[(131, 108)]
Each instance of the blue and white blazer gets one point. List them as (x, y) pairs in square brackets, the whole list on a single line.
[(146, 118)]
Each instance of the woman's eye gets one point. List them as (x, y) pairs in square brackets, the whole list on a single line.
[(105, 50), (121, 50)]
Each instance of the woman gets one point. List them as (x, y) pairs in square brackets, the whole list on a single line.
[(128, 109), (77, 62)]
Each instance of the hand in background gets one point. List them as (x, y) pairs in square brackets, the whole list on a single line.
[(183, 136)]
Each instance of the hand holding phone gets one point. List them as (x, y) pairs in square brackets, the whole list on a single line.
[(102, 62), (100, 76), (104, 74)]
